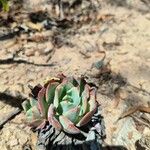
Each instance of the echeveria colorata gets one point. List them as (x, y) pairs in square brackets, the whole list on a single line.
[(65, 103)]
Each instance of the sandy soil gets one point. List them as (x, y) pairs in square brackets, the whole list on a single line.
[(123, 32)]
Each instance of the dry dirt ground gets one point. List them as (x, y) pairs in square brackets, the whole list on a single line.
[(122, 31)]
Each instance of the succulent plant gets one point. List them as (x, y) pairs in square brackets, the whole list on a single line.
[(64, 103)]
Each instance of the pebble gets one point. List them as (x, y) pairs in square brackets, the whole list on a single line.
[(146, 131), (13, 142), (123, 94), (47, 50), (23, 140), (30, 52)]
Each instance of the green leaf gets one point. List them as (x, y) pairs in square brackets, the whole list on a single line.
[(68, 86), (33, 102), (35, 123), (26, 105), (41, 125), (74, 93), (65, 106), (42, 104), (68, 126), (29, 115), (33, 113), (61, 108), (67, 98), (72, 114), (58, 94), (61, 91), (92, 108), (51, 118), (55, 123), (50, 92), (86, 118), (84, 100)]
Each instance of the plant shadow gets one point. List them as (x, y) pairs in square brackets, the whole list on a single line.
[(113, 147), (86, 146)]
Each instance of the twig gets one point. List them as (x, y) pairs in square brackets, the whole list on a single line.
[(133, 110), (20, 61), (141, 121), (84, 54), (136, 88), (10, 116)]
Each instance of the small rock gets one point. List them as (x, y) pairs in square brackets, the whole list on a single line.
[(123, 94), (23, 139), (146, 131), (30, 52), (34, 26), (37, 54), (24, 27), (47, 50), (13, 142), (90, 136), (41, 46), (109, 37)]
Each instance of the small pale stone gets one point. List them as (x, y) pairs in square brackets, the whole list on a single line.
[(49, 45), (30, 52), (90, 136), (47, 50), (37, 53), (13, 142), (123, 94), (146, 131), (23, 140)]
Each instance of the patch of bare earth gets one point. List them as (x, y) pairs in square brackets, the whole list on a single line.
[(122, 32)]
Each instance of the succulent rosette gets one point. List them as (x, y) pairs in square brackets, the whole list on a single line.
[(65, 103)]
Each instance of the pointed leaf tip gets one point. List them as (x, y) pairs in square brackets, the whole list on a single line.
[(72, 114), (26, 105), (68, 126), (87, 117), (42, 104), (51, 118), (50, 92)]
